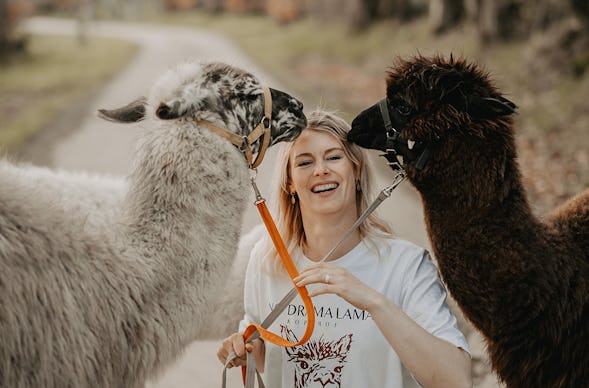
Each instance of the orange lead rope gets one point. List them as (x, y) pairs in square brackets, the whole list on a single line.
[(254, 331), (292, 272)]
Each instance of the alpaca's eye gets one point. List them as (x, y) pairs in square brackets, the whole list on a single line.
[(403, 108), (303, 364)]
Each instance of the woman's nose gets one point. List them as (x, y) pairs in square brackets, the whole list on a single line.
[(321, 168)]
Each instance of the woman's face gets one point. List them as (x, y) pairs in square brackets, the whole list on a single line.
[(322, 175)]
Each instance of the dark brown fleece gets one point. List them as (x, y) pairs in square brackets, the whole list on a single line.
[(522, 281)]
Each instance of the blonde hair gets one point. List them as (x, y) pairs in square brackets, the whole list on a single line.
[(288, 216)]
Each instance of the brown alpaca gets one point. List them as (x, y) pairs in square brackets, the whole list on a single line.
[(522, 281)]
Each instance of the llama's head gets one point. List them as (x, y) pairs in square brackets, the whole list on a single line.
[(439, 110), (223, 95), (318, 362)]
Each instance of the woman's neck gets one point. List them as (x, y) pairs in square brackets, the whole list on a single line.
[(322, 233)]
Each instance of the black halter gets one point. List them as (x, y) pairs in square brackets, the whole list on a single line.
[(394, 141)]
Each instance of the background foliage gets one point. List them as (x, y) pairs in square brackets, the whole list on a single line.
[(334, 54)]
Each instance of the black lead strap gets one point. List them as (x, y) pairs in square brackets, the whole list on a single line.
[(394, 136)]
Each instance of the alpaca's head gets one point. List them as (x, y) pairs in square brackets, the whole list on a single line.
[(224, 95), (447, 106)]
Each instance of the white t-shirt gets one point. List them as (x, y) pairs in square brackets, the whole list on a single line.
[(347, 349)]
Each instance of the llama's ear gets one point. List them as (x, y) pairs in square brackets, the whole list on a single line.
[(130, 113), (168, 111), (490, 108)]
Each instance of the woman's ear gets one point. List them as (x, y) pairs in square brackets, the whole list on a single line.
[(356, 173)]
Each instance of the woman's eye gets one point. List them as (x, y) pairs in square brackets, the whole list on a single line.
[(334, 157), (303, 163)]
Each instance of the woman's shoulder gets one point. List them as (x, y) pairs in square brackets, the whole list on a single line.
[(399, 256), (398, 248)]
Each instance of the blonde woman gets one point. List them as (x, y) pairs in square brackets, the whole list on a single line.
[(378, 300)]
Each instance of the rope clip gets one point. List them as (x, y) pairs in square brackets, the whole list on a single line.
[(253, 176)]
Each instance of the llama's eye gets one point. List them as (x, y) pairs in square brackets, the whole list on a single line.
[(403, 108), (248, 97), (303, 364), (338, 369)]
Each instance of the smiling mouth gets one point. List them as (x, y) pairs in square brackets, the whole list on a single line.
[(324, 188)]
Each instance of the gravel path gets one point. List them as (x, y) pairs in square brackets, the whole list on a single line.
[(81, 141)]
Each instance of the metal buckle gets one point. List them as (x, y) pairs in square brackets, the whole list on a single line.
[(265, 122), (245, 144)]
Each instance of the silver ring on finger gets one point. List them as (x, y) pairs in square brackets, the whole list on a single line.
[(326, 278)]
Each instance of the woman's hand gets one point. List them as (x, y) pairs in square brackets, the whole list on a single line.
[(236, 344), (339, 281)]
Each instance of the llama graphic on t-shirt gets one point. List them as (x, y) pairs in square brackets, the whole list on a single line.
[(317, 363)]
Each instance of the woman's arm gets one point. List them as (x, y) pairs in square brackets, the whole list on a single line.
[(432, 361)]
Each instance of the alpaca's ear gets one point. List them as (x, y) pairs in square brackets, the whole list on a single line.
[(490, 108), (130, 113)]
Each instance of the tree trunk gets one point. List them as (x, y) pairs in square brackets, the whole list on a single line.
[(487, 21), (212, 6), (83, 18), (445, 14), (3, 28), (581, 9)]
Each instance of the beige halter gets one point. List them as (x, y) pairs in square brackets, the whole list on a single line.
[(244, 142)]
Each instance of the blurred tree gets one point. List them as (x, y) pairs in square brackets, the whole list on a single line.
[(565, 46), (445, 14), (581, 9), (213, 6), (83, 15), (3, 27), (244, 6), (502, 20), (487, 20), (180, 4), (284, 11), (401, 9), (11, 12), (359, 14)]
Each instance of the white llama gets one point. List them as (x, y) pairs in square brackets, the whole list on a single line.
[(106, 290)]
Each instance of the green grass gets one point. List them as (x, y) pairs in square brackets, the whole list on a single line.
[(54, 72)]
